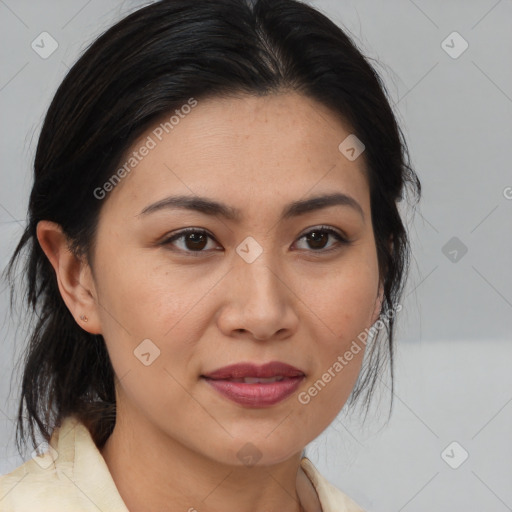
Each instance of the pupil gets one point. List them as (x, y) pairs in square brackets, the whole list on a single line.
[(195, 239), (315, 243)]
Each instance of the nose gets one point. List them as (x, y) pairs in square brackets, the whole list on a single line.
[(258, 301)]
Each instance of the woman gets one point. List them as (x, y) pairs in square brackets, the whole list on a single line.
[(213, 231)]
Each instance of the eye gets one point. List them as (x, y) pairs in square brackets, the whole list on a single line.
[(195, 240), (319, 236)]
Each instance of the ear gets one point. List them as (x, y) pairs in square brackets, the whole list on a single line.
[(74, 277)]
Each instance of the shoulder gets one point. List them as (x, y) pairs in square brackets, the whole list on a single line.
[(69, 475), (331, 498), (32, 483)]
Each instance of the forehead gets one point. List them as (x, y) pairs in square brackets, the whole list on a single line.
[(241, 149)]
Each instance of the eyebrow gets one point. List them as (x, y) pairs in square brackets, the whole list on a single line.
[(214, 208)]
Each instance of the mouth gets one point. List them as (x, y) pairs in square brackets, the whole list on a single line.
[(256, 386), (243, 372), (254, 380), (255, 392)]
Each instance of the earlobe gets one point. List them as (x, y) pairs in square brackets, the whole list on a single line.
[(73, 276)]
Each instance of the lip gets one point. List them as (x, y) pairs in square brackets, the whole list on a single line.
[(241, 370), (256, 395)]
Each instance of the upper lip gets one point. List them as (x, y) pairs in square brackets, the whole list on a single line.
[(241, 370)]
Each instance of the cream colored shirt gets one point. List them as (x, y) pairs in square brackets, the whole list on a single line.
[(72, 476)]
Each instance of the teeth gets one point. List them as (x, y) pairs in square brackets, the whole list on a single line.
[(255, 380)]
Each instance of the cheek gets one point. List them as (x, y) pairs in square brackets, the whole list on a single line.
[(342, 306), (141, 302), (150, 300), (344, 300), (338, 349)]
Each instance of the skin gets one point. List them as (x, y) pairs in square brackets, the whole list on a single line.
[(298, 302)]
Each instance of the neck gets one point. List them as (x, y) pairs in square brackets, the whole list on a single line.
[(169, 477)]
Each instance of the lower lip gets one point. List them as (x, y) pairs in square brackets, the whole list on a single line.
[(257, 394)]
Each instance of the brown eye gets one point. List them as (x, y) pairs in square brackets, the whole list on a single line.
[(195, 241), (318, 238), (192, 240)]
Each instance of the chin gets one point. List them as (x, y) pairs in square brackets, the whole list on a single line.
[(248, 453)]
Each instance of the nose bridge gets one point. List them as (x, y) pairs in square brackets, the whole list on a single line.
[(262, 295), (257, 268), (256, 299)]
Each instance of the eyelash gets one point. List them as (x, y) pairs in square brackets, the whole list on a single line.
[(322, 229)]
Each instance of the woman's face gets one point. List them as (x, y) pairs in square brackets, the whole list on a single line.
[(256, 287)]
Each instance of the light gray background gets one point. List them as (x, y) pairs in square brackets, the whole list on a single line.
[(453, 378)]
